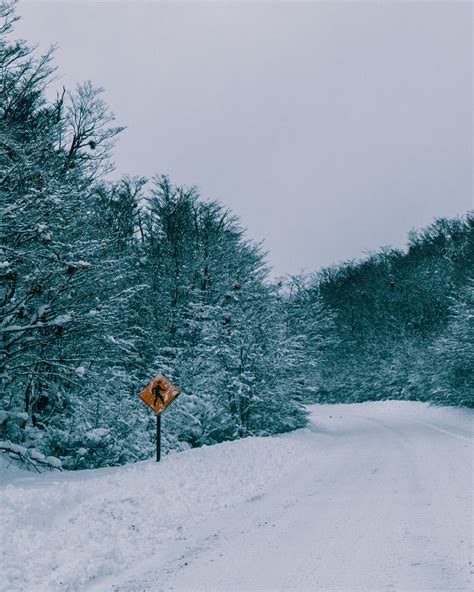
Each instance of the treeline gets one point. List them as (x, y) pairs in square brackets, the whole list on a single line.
[(106, 283), (404, 320)]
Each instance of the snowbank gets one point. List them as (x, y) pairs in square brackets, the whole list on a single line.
[(67, 530)]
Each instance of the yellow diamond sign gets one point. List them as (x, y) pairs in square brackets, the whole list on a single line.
[(159, 393)]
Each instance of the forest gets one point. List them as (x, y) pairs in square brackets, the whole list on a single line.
[(106, 282)]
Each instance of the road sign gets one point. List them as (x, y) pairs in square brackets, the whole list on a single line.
[(159, 393)]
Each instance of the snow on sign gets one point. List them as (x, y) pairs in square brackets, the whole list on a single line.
[(159, 393)]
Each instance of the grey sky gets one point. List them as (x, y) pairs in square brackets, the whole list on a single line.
[(330, 128)]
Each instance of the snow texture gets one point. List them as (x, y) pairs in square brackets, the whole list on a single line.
[(369, 497)]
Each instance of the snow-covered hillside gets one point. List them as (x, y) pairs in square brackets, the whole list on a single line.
[(374, 496)]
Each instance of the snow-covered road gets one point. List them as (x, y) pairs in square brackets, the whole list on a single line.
[(369, 497)]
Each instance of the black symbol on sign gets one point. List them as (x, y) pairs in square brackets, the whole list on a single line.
[(158, 392)]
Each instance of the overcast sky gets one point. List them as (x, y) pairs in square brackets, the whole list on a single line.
[(329, 128)]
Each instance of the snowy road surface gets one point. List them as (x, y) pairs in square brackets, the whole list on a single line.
[(370, 497)]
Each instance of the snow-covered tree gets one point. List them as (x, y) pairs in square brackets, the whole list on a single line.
[(453, 380)]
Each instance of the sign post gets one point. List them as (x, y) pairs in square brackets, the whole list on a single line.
[(158, 394), (158, 437)]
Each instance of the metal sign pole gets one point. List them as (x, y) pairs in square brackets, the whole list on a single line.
[(158, 437)]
